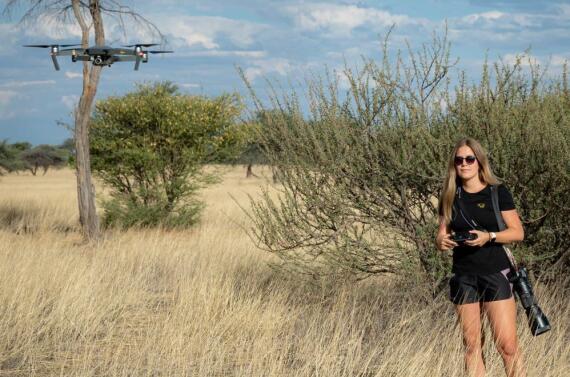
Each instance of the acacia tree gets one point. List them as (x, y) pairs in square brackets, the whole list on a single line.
[(89, 16), (43, 156), (149, 147)]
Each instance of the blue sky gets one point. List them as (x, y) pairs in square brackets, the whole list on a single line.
[(280, 39)]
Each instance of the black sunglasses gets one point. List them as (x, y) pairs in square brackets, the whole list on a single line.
[(470, 160)]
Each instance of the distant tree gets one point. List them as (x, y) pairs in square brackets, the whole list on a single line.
[(5, 157), (44, 157), (150, 146), (253, 143), (252, 152), (248, 148), (10, 160), (21, 146), (68, 145)]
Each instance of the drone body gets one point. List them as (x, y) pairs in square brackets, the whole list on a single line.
[(102, 55)]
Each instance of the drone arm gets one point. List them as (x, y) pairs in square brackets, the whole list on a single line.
[(55, 63), (123, 58), (70, 51), (137, 63)]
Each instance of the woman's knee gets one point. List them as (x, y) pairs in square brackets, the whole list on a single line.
[(472, 343), (508, 348)]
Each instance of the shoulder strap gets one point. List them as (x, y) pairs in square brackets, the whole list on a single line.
[(501, 223), (463, 211), (496, 208)]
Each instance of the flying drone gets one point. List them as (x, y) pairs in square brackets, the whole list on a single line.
[(102, 55)]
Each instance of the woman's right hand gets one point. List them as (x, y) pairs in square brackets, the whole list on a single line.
[(443, 239), (444, 242)]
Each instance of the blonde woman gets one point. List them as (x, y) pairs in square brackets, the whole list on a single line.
[(479, 284)]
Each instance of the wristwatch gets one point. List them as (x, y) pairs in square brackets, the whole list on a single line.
[(492, 236)]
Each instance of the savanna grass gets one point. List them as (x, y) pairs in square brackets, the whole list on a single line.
[(204, 302)]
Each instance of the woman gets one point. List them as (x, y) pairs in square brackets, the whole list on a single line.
[(479, 284)]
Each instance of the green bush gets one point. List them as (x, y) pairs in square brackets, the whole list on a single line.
[(361, 173), (128, 213), (150, 146)]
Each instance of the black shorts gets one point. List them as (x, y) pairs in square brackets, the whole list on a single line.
[(467, 289)]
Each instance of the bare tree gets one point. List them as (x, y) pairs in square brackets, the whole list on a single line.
[(89, 16)]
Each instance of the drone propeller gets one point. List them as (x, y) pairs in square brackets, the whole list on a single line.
[(142, 45), (160, 52), (48, 46)]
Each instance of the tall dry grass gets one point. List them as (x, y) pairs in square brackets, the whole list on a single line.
[(204, 303)]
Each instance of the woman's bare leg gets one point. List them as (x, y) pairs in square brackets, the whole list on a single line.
[(502, 316), (469, 316)]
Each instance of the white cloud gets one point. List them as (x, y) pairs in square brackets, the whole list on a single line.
[(223, 53), (9, 36), (190, 85), (49, 27), (192, 37), (554, 62), (6, 97), (500, 20), (205, 31), (496, 27), (265, 66), (73, 75), (559, 60), (70, 101), (9, 92), (491, 16), (21, 84), (342, 19), (343, 81)]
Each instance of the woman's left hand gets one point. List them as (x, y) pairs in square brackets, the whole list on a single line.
[(482, 238)]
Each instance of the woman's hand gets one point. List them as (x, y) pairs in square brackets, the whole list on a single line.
[(482, 238), (444, 242)]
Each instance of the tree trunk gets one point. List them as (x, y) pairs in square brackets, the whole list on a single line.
[(249, 171), (85, 189)]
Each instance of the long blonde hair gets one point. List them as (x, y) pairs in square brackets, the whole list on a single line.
[(452, 180)]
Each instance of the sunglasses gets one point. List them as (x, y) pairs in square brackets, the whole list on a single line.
[(469, 160)]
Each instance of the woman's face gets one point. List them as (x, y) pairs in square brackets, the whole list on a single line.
[(466, 164)]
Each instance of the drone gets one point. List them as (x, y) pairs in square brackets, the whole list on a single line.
[(102, 55)]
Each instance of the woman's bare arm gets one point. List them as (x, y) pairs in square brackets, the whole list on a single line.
[(514, 231), (443, 240)]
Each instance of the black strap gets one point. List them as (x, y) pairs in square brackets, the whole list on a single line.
[(501, 223), (496, 209), (463, 211)]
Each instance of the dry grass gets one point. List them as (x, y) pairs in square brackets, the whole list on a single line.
[(204, 303)]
